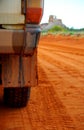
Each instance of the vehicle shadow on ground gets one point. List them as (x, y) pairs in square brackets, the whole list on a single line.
[(10, 118), (1, 96), (2, 105)]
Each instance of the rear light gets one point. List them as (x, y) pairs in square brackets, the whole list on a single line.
[(34, 11)]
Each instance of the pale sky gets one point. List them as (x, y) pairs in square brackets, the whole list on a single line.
[(70, 11)]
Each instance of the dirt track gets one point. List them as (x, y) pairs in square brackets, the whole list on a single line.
[(58, 102)]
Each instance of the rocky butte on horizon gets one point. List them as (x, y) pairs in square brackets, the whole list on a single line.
[(53, 21)]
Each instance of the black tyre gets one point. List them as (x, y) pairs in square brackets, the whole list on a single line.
[(16, 97), (0, 73)]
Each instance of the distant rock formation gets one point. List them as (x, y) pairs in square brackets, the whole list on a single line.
[(52, 18), (53, 21)]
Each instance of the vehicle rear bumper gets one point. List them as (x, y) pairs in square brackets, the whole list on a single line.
[(19, 41)]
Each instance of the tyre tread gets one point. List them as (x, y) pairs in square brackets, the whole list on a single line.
[(16, 97)]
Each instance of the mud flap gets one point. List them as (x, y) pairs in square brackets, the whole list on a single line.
[(19, 71)]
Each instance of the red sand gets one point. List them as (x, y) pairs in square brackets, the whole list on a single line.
[(58, 101)]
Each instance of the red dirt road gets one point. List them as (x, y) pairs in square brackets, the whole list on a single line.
[(58, 101)]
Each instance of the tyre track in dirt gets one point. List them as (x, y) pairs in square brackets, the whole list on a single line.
[(73, 56), (61, 70), (70, 69), (57, 111), (68, 49)]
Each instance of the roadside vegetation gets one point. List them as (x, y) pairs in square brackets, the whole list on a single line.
[(63, 30)]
